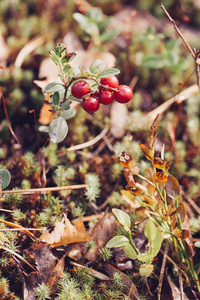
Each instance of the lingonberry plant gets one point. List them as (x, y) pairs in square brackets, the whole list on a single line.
[(90, 88), (163, 211)]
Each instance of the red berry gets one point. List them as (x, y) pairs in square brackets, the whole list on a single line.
[(124, 94), (110, 81), (80, 88), (90, 104), (106, 97)]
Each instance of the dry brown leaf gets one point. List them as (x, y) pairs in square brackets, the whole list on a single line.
[(65, 233), (147, 152), (56, 275)]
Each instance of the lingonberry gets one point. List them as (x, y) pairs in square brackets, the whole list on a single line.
[(124, 94), (106, 97), (90, 104), (112, 81), (80, 88)]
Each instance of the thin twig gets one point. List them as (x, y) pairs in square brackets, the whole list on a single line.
[(90, 143), (178, 31), (9, 125), (162, 271), (46, 190)]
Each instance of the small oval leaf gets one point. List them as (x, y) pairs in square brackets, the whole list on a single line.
[(146, 270), (172, 187), (159, 163), (126, 160), (159, 177), (53, 87), (122, 217), (117, 241), (108, 73), (129, 251), (97, 66), (147, 152), (5, 178), (58, 130), (69, 113)]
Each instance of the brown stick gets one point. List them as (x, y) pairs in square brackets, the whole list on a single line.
[(46, 190)]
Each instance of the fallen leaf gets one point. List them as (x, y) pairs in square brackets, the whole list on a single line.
[(65, 233), (56, 275)]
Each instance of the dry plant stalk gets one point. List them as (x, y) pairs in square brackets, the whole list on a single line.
[(195, 53)]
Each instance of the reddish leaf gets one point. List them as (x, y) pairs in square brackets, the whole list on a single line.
[(159, 177), (167, 166), (153, 126), (147, 152), (125, 160), (172, 187), (159, 163), (129, 177)]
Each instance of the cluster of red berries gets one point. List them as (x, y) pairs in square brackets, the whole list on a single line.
[(108, 91)]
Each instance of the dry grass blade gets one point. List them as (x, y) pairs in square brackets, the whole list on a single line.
[(18, 255), (46, 190), (17, 226)]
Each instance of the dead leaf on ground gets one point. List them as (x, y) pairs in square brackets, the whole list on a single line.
[(65, 233), (49, 270), (130, 289)]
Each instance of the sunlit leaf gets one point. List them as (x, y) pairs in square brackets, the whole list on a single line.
[(172, 187), (145, 257), (160, 177), (167, 166), (150, 230), (185, 234), (149, 201), (174, 224), (125, 160), (134, 190), (183, 212), (147, 152), (108, 73), (141, 211), (146, 270), (159, 163), (129, 177), (54, 87), (129, 251), (153, 126), (157, 242), (69, 113), (122, 217), (117, 241), (58, 130), (97, 66)]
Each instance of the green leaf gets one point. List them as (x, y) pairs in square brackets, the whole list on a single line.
[(69, 113), (83, 22), (146, 270), (5, 178), (54, 57), (150, 230), (108, 35), (54, 87), (130, 252), (66, 68), (97, 66), (153, 61), (77, 70), (145, 257), (56, 98), (108, 73), (117, 241), (66, 105), (122, 217), (156, 243), (58, 130)]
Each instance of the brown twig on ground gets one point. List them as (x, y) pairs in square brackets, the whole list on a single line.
[(46, 190)]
